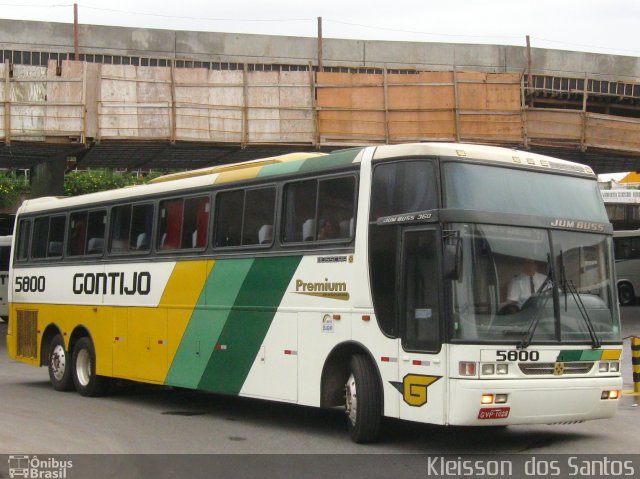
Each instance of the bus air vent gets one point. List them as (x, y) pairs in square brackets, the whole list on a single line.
[(541, 369), (27, 325)]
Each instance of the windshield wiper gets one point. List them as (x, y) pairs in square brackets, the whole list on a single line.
[(533, 324), (568, 285)]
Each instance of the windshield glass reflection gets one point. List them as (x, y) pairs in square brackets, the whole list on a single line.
[(514, 287)]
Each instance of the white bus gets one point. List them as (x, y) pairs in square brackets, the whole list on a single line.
[(627, 257), (5, 253), (381, 279)]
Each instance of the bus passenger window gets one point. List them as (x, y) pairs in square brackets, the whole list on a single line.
[(170, 224), (141, 226), (77, 233), (245, 218), (300, 211), (48, 237), (56, 236), (229, 207), (40, 238), (95, 232), (319, 210), (24, 231), (120, 226), (196, 222), (259, 210)]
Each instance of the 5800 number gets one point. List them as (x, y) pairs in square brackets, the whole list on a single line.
[(515, 355), (29, 284)]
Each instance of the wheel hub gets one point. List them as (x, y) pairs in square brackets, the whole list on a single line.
[(58, 362), (83, 367), (351, 401)]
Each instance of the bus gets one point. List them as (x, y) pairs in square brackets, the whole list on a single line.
[(5, 253), (377, 279), (626, 246)]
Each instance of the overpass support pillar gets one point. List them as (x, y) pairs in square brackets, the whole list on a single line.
[(47, 179)]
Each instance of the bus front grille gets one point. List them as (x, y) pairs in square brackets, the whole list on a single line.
[(541, 369), (27, 333)]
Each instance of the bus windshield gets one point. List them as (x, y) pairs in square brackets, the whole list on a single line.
[(524, 285), (518, 191)]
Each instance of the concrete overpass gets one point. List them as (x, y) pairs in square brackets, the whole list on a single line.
[(143, 98)]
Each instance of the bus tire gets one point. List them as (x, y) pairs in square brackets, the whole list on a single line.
[(363, 401), (59, 365), (626, 294), (85, 379)]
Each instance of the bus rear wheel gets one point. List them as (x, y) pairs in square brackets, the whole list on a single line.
[(85, 379), (59, 365), (363, 401), (626, 295)]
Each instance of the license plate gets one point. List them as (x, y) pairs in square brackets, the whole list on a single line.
[(494, 413)]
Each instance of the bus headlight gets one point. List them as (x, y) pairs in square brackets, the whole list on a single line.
[(488, 369), (609, 367)]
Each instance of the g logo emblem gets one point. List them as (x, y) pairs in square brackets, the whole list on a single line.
[(414, 387)]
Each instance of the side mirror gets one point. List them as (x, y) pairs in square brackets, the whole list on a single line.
[(452, 249)]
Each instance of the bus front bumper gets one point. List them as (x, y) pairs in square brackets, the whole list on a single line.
[(531, 401)]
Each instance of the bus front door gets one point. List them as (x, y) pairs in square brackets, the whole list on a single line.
[(421, 356)]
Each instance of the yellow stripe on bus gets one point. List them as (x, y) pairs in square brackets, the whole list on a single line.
[(611, 354), (180, 297)]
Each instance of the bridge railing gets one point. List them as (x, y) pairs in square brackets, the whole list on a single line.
[(82, 101)]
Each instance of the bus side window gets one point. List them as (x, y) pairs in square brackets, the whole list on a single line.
[(170, 223), (120, 226), (259, 210), (319, 210), (196, 222), (39, 245), (300, 211), (95, 232), (24, 231), (229, 208), (56, 236), (77, 233), (141, 226)]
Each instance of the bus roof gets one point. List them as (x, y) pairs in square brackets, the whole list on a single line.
[(511, 156), (305, 162)]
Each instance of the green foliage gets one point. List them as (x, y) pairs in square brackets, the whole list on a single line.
[(82, 182), (11, 188)]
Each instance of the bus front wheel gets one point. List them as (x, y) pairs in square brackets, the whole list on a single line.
[(85, 379), (363, 400), (626, 295), (59, 365)]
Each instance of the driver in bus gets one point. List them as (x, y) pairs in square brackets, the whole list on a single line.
[(524, 285)]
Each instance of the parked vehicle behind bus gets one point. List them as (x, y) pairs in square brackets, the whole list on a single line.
[(627, 256), (386, 280), (5, 253)]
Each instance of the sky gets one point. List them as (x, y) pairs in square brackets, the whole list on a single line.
[(608, 27)]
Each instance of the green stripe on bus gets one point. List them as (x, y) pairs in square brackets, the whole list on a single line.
[(285, 168), (580, 355), (337, 159), (569, 356), (591, 355), (248, 323), (207, 322)]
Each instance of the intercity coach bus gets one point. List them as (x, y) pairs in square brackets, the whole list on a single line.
[(385, 280)]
